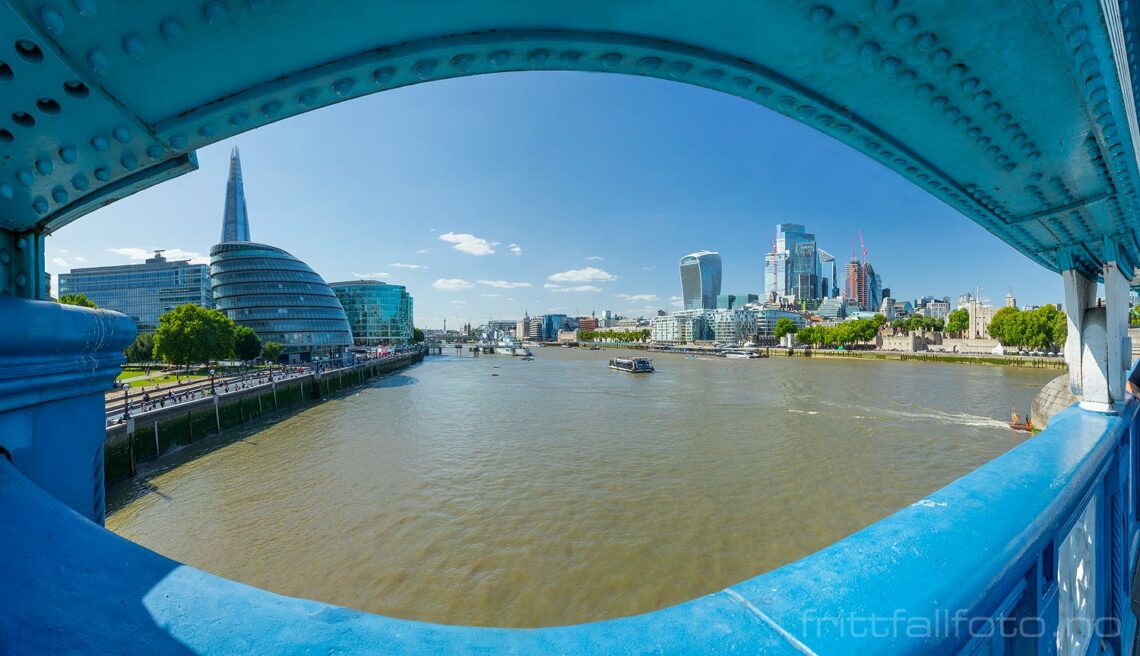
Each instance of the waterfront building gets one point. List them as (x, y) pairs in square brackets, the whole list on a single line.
[(522, 327), (937, 309), (587, 323), (828, 282), (143, 292), (681, 327), (534, 329), (832, 309), (272, 292), (378, 313), (767, 317), (700, 280)]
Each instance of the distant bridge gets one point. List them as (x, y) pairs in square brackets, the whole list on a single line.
[(1021, 115)]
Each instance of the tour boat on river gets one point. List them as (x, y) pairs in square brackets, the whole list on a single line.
[(632, 365), (740, 354), (502, 343)]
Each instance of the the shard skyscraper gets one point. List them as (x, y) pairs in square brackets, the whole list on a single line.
[(235, 223)]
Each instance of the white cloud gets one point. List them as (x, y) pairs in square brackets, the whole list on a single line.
[(62, 251), (401, 265), (60, 262), (648, 268), (560, 308), (516, 249), (504, 284), (490, 295), (135, 253), (424, 251), (380, 274), (639, 298), (676, 301), (645, 310), (468, 243), (431, 229), (576, 288), (452, 284), (588, 274), (459, 302), (595, 258), (80, 258)]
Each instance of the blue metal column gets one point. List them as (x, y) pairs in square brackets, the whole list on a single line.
[(56, 362)]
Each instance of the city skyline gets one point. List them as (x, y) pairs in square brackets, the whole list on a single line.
[(476, 234)]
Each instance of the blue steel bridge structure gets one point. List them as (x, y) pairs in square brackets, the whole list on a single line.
[(1021, 115)]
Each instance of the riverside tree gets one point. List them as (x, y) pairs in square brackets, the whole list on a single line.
[(1043, 329), (958, 320), (77, 299), (784, 326), (614, 335), (271, 351), (190, 333), (142, 350), (417, 335), (845, 334), (247, 345)]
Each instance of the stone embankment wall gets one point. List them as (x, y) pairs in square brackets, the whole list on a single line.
[(151, 434)]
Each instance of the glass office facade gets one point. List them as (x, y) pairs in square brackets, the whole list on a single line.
[(144, 292), (378, 313), (700, 280), (280, 298)]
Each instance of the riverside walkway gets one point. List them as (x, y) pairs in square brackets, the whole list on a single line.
[(1020, 115)]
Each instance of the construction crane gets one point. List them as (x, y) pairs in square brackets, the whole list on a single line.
[(862, 245)]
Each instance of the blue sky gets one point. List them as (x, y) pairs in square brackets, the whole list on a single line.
[(546, 192)]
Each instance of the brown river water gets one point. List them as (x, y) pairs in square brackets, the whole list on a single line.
[(561, 491)]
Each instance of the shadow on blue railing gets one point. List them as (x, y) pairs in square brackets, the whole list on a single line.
[(1031, 553)]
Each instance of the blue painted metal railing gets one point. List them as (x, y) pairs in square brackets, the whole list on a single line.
[(1031, 553)]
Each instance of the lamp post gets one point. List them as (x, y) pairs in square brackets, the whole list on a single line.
[(126, 401), (213, 390)]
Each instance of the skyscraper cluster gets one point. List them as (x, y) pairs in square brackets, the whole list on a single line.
[(799, 272)]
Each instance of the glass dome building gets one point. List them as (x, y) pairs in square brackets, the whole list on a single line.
[(378, 313), (269, 290)]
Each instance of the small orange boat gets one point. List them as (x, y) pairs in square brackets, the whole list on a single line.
[(1016, 423)]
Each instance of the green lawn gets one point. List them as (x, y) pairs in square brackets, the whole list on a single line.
[(155, 379)]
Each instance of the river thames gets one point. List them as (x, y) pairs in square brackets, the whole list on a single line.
[(560, 491)]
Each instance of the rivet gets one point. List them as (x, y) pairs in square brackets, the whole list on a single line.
[(207, 130), (924, 89), (821, 14), (712, 73), (22, 244), (742, 83), (271, 108), (651, 64), (7, 192), (121, 134), (307, 97), (239, 119), (68, 155), (939, 101), (129, 162), (611, 59), (847, 32), (908, 76), (22, 279), (343, 86), (679, 69), (172, 30), (5, 256), (100, 143), (890, 64), (86, 8), (570, 56), (424, 68), (884, 6), (59, 195), (44, 166), (870, 49), (79, 182), (52, 20), (383, 75), (98, 60), (154, 151), (25, 177), (764, 91), (538, 56), (134, 46), (951, 112), (462, 61), (905, 23), (40, 205), (940, 56), (806, 111), (214, 12), (925, 41), (958, 70), (499, 57), (102, 174)]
